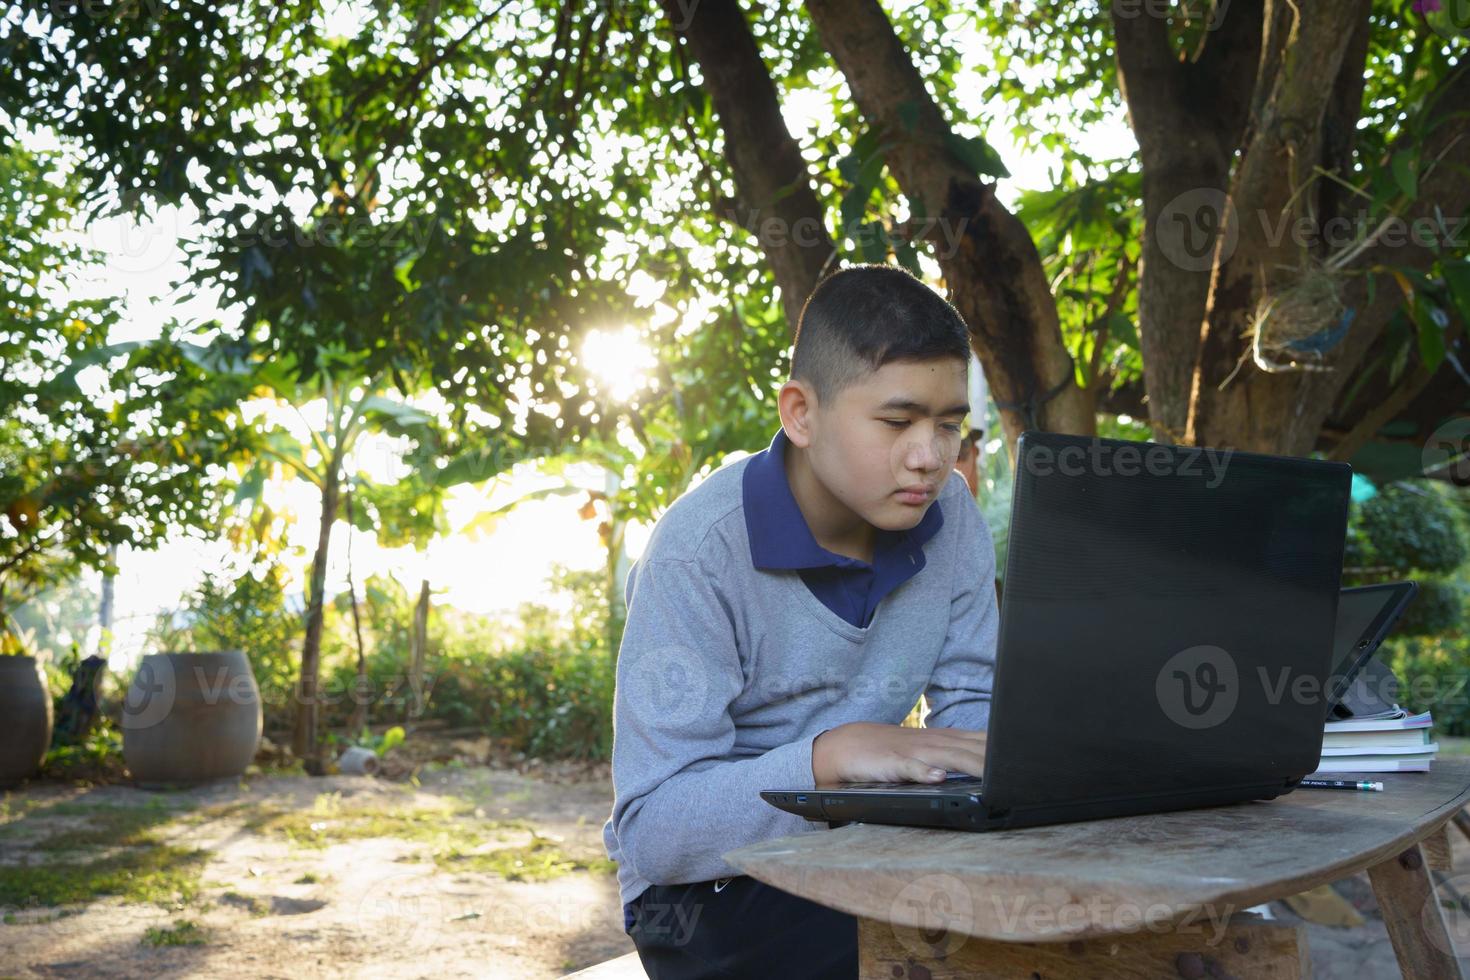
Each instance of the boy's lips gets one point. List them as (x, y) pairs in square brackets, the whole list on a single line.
[(915, 495)]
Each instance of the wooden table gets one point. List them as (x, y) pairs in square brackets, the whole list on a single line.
[(1154, 896)]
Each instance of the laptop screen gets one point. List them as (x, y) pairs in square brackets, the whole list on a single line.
[(1361, 613)]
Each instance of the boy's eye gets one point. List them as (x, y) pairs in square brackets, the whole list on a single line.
[(952, 426), (896, 423)]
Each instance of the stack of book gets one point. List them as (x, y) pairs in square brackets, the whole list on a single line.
[(1390, 741)]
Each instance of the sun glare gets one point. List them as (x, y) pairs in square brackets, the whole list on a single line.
[(618, 360)]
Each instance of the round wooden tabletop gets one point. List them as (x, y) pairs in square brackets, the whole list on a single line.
[(1079, 880)]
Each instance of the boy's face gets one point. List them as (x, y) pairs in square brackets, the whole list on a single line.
[(899, 427)]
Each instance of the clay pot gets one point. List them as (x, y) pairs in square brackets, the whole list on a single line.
[(190, 718), (25, 718)]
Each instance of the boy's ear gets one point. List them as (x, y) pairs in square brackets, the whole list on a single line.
[(797, 403)]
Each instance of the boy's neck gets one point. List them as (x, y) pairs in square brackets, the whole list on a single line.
[(832, 523)]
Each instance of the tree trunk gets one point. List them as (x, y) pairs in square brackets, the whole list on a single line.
[(1298, 124), (104, 612), (988, 258), (361, 688), (420, 648), (304, 739), (1188, 116), (776, 202), (1273, 188)]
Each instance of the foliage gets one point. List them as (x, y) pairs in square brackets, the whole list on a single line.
[(1433, 672), (546, 702), (1411, 526), (90, 456), (379, 744), (242, 607)]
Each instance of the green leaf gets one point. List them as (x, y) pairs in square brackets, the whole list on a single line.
[(1430, 322), (1404, 173), (908, 116), (976, 154), (1456, 273), (1122, 329), (251, 486)]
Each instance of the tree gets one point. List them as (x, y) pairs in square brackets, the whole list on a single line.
[(521, 168), (90, 457), (354, 405)]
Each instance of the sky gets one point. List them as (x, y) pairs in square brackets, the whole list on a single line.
[(490, 575)]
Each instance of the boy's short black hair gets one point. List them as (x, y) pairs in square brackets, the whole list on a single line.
[(865, 316)]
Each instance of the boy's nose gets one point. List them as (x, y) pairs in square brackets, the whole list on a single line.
[(924, 454)]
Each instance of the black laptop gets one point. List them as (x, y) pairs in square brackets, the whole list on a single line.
[(1166, 639)]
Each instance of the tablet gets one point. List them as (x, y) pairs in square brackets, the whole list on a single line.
[(1365, 614)]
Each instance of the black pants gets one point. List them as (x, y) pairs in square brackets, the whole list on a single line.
[(743, 929)]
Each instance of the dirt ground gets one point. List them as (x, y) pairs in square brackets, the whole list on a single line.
[(478, 870), (269, 905)]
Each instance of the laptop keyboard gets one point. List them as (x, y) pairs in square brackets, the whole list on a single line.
[(954, 782)]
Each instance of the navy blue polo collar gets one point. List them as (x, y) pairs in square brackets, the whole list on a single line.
[(779, 534)]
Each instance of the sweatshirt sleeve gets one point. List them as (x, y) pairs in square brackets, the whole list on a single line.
[(679, 802), (959, 689)]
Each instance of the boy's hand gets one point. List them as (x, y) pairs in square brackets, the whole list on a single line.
[(865, 752)]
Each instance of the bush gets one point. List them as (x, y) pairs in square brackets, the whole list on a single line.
[(1438, 608), (1432, 673), (1409, 527), (553, 704)]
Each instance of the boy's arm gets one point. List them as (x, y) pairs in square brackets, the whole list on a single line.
[(679, 802), (959, 689)]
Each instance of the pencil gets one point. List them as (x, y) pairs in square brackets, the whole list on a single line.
[(1339, 784)]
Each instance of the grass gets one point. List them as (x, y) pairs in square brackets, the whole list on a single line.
[(161, 874), (183, 933), (114, 850), (328, 822), (454, 836), (540, 860)]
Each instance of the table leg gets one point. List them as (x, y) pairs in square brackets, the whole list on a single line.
[(1437, 851), (1462, 820), (1412, 914), (1245, 945)]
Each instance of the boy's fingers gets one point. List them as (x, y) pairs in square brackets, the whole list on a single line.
[(919, 771), (964, 760)]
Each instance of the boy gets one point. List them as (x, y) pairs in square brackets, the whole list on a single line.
[(786, 616)]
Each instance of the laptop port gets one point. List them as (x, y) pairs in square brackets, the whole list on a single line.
[(801, 799)]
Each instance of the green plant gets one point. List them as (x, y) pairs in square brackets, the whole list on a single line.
[(380, 745), (1433, 672), (1409, 527)]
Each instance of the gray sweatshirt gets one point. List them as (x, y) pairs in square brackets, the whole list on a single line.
[(727, 673)]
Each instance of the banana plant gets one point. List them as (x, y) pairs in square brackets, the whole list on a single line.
[(356, 404)]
